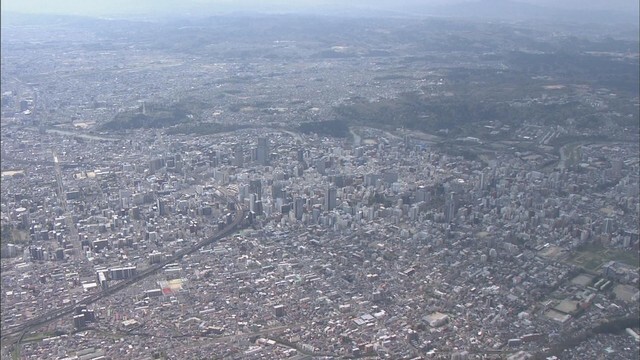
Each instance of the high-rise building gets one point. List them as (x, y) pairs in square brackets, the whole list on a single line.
[(450, 207), (255, 187), (253, 199), (258, 208), (161, 207), (24, 105), (321, 166), (330, 199), (315, 214), (277, 190), (298, 208), (262, 155), (213, 161), (156, 164), (608, 225), (238, 156), (122, 273), (79, 321), (255, 204), (37, 253)]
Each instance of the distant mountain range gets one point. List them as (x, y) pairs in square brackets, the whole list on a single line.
[(499, 10), (514, 10), (619, 11)]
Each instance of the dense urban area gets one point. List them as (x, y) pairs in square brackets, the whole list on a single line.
[(268, 187)]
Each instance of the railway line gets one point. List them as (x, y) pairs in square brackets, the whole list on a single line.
[(15, 334)]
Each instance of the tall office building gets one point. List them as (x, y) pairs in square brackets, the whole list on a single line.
[(238, 156), (156, 164), (262, 155), (253, 199), (277, 190), (483, 181), (321, 166), (608, 226), (161, 207), (279, 309), (213, 161), (298, 208), (330, 199), (255, 187), (450, 208)]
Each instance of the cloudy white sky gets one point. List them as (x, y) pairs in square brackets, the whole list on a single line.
[(134, 7)]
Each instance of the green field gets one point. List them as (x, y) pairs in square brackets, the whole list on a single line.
[(592, 256), (572, 155)]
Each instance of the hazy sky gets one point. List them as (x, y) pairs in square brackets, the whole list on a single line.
[(153, 7)]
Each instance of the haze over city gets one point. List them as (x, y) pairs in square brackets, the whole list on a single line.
[(204, 7), (319, 179)]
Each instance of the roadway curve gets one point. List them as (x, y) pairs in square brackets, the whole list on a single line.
[(15, 334)]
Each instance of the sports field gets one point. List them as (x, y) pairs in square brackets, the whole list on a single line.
[(592, 256)]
